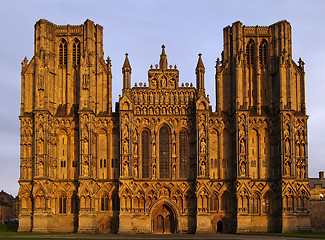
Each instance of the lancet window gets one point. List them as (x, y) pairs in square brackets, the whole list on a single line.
[(263, 52), (63, 53), (76, 52), (63, 204), (250, 52), (164, 152), (104, 203), (183, 154), (145, 138)]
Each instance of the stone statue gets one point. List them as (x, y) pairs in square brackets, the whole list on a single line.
[(135, 171), (135, 149), (203, 146), (287, 168), (125, 169), (41, 169), (202, 169), (85, 146), (242, 146), (86, 169), (125, 147), (242, 168), (287, 146)]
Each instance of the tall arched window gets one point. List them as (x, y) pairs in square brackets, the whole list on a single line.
[(263, 52), (250, 52), (63, 52), (104, 203), (256, 203), (164, 152), (145, 140), (63, 204), (76, 52), (183, 154)]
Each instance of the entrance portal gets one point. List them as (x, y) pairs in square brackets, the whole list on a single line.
[(164, 220), (219, 227)]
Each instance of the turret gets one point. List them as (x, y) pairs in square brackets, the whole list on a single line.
[(200, 70), (126, 70), (163, 59)]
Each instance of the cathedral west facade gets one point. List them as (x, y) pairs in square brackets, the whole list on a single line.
[(163, 162)]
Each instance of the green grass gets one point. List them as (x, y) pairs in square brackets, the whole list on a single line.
[(297, 235)]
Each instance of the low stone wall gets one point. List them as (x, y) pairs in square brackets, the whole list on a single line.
[(317, 215)]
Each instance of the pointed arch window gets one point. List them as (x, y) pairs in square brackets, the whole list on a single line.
[(263, 52), (76, 52), (63, 52), (63, 204), (104, 203), (145, 140), (250, 52), (164, 152), (183, 154)]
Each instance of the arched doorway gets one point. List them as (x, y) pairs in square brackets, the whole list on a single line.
[(219, 227), (164, 220)]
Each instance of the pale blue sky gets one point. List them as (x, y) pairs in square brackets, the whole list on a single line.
[(186, 27)]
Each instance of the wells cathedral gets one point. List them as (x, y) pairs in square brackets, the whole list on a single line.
[(163, 162)]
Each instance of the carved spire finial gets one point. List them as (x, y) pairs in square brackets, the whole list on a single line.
[(163, 64)]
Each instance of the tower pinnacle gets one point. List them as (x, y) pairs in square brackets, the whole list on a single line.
[(163, 64)]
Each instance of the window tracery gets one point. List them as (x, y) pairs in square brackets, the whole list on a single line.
[(63, 53), (250, 52), (164, 152)]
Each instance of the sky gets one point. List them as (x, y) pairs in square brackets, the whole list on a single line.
[(140, 27)]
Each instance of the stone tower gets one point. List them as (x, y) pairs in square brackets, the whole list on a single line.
[(261, 90)]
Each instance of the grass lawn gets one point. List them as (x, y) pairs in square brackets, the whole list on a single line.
[(297, 235)]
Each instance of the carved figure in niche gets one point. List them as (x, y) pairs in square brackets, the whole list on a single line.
[(287, 146), (203, 146), (286, 131), (201, 132), (85, 146), (176, 98), (287, 168), (302, 152), (41, 82), (135, 149), (164, 111), (41, 98), (202, 169), (297, 149), (135, 171), (86, 168), (40, 169), (298, 171), (303, 172), (154, 83), (40, 146), (242, 168), (242, 146), (171, 98), (125, 132), (125, 169), (163, 82), (172, 82), (125, 146)]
